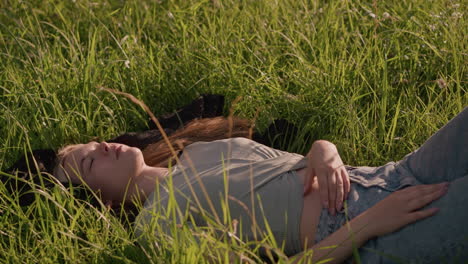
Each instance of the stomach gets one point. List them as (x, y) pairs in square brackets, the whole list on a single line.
[(311, 210)]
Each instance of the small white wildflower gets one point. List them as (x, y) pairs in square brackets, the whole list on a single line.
[(386, 15), (127, 64), (372, 15), (170, 15), (457, 14), (441, 83)]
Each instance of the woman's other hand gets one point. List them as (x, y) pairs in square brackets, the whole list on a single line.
[(325, 163), (401, 208)]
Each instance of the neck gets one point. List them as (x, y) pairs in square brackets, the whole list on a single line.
[(146, 181)]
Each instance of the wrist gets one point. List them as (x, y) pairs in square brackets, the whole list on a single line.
[(321, 149), (323, 145), (362, 225)]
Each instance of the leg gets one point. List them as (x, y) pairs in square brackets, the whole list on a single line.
[(441, 238), (444, 156)]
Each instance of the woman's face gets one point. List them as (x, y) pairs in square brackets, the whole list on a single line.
[(109, 168)]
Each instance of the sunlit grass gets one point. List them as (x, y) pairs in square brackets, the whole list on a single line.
[(377, 78)]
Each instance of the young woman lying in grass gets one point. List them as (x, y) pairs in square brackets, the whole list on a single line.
[(413, 210)]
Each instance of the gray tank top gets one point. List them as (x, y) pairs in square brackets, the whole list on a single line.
[(251, 178)]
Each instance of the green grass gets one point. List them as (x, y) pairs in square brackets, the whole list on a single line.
[(377, 78)]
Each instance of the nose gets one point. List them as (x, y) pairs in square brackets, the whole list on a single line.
[(104, 147)]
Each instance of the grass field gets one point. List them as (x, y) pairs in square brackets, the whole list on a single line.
[(377, 78)]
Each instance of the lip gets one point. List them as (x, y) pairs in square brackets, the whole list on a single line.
[(117, 151)]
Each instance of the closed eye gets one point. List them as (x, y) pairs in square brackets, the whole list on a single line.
[(91, 164)]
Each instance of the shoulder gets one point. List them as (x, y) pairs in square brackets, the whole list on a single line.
[(226, 141), (222, 143), (237, 147)]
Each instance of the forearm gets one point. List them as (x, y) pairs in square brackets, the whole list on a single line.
[(338, 246)]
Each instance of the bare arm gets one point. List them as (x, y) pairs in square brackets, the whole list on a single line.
[(338, 246), (389, 215)]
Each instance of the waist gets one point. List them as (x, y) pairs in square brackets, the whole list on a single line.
[(311, 210)]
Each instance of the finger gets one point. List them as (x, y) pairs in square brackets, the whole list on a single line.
[(419, 215), (421, 190), (339, 191), (323, 187), (423, 200), (346, 184), (332, 192)]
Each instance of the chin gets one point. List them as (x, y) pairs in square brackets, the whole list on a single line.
[(132, 151), (136, 156)]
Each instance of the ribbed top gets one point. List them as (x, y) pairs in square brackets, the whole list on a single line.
[(254, 179)]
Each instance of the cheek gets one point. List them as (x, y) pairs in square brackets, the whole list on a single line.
[(132, 162), (111, 177)]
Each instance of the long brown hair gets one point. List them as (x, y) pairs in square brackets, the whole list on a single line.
[(159, 154), (205, 129)]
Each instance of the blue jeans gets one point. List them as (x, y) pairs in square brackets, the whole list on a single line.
[(441, 238)]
